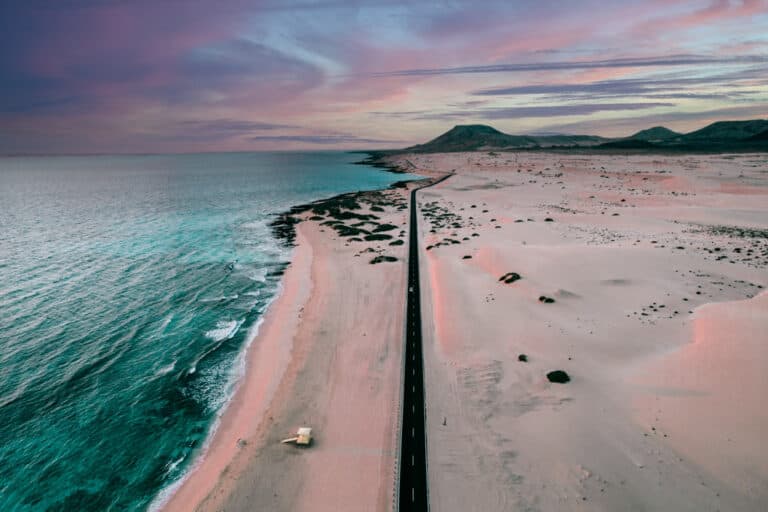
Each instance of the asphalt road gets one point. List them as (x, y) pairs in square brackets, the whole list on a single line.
[(414, 495)]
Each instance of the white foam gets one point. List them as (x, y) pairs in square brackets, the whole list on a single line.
[(171, 466), (225, 330), (256, 224)]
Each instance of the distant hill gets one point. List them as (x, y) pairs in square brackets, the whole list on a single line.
[(472, 137), (720, 136), (655, 134), (727, 131)]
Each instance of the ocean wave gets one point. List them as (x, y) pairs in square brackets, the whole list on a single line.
[(260, 277), (166, 369), (238, 368), (223, 298), (166, 322)]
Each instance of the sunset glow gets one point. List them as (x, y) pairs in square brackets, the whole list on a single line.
[(172, 75)]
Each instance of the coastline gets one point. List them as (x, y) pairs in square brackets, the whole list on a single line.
[(283, 357), (266, 363)]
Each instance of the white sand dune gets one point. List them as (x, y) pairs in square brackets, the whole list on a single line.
[(664, 409)]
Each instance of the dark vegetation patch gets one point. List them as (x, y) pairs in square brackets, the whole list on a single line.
[(558, 376), (384, 227), (736, 231), (382, 259), (376, 237), (336, 210), (510, 277), (546, 300)]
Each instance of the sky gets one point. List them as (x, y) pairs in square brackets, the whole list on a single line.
[(127, 76)]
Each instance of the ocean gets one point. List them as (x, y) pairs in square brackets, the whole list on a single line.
[(129, 289)]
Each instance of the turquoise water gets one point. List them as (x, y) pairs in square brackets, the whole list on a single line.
[(129, 286)]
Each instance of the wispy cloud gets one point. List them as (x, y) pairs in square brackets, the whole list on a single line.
[(580, 109), (629, 86), (673, 120), (662, 61), (322, 139), (231, 126)]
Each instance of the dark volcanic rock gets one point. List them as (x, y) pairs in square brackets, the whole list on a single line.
[(546, 300), (558, 376), (522, 358), (467, 257)]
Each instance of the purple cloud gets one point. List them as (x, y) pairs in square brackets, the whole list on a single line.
[(322, 139), (662, 61), (525, 112)]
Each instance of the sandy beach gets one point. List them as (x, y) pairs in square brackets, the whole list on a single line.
[(327, 356), (655, 265)]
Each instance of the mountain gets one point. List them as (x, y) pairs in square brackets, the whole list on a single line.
[(472, 137), (655, 134), (762, 136), (727, 131), (720, 136)]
